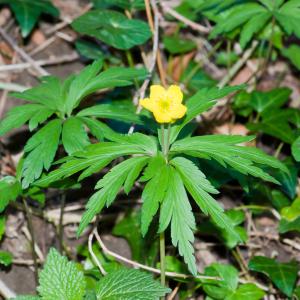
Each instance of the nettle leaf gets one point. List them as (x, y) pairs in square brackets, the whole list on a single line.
[(199, 188), (296, 149), (283, 275), (109, 186), (241, 159), (118, 110), (28, 12), (60, 279), (113, 28), (127, 284), (41, 149), (201, 102), (10, 189), (74, 137), (176, 209), (288, 17)]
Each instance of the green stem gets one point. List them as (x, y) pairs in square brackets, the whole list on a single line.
[(278, 150), (162, 129), (162, 259), (30, 228), (131, 65)]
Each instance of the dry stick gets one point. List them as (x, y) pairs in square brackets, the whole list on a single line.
[(31, 230), (154, 30), (175, 291), (44, 62), (61, 222), (22, 53), (14, 87), (90, 245), (144, 267), (186, 21), (5, 291)]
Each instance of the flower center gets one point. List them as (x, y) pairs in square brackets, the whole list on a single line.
[(164, 105)]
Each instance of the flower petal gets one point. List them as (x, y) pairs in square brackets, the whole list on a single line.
[(162, 117), (157, 92), (148, 104), (178, 111), (174, 93)]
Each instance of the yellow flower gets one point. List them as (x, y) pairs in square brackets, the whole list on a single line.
[(165, 104)]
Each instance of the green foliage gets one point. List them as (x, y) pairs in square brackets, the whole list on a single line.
[(61, 98), (27, 12), (129, 284), (253, 17), (177, 45), (113, 28), (296, 149), (5, 258), (9, 190), (228, 288), (60, 279), (293, 54), (283, 275)]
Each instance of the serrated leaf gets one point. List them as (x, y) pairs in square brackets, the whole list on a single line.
[(28, 12), (242, 159), (74, 137), (157, 172), (26, 298), (128, 284), (18, 116), (293, 54), (113, 28), (296, 149), (195, 182), (288, 17), (109, 186), (41, 149), (118, 110), (60, 279), (176, 209), (201, 102), (10, 189), (283, 275)]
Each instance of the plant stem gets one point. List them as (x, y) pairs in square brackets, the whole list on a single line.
[(168, 141), (162, 128), (30, 228), (61, 225), (162, 259)]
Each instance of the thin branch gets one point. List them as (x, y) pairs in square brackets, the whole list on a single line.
[(144, 267), (22, 53), (195, 26), (5, 291), (14, 87), (90, 245)]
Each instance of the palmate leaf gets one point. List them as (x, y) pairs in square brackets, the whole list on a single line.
[(128, 284), (60, 279), (201, 102), (95, 157), (74, 137), (109, 186), (28, 12), (222, 148), (177, 210), (199, 188), (113, 28), (157, 175), (41, 149)]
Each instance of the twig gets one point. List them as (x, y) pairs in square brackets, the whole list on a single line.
[(236, 67), (12, 87), (186, 21), (90, 245), (44, 62), (5, 291), (144, 267), (61, 221), (174, 292), (22, 53)]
